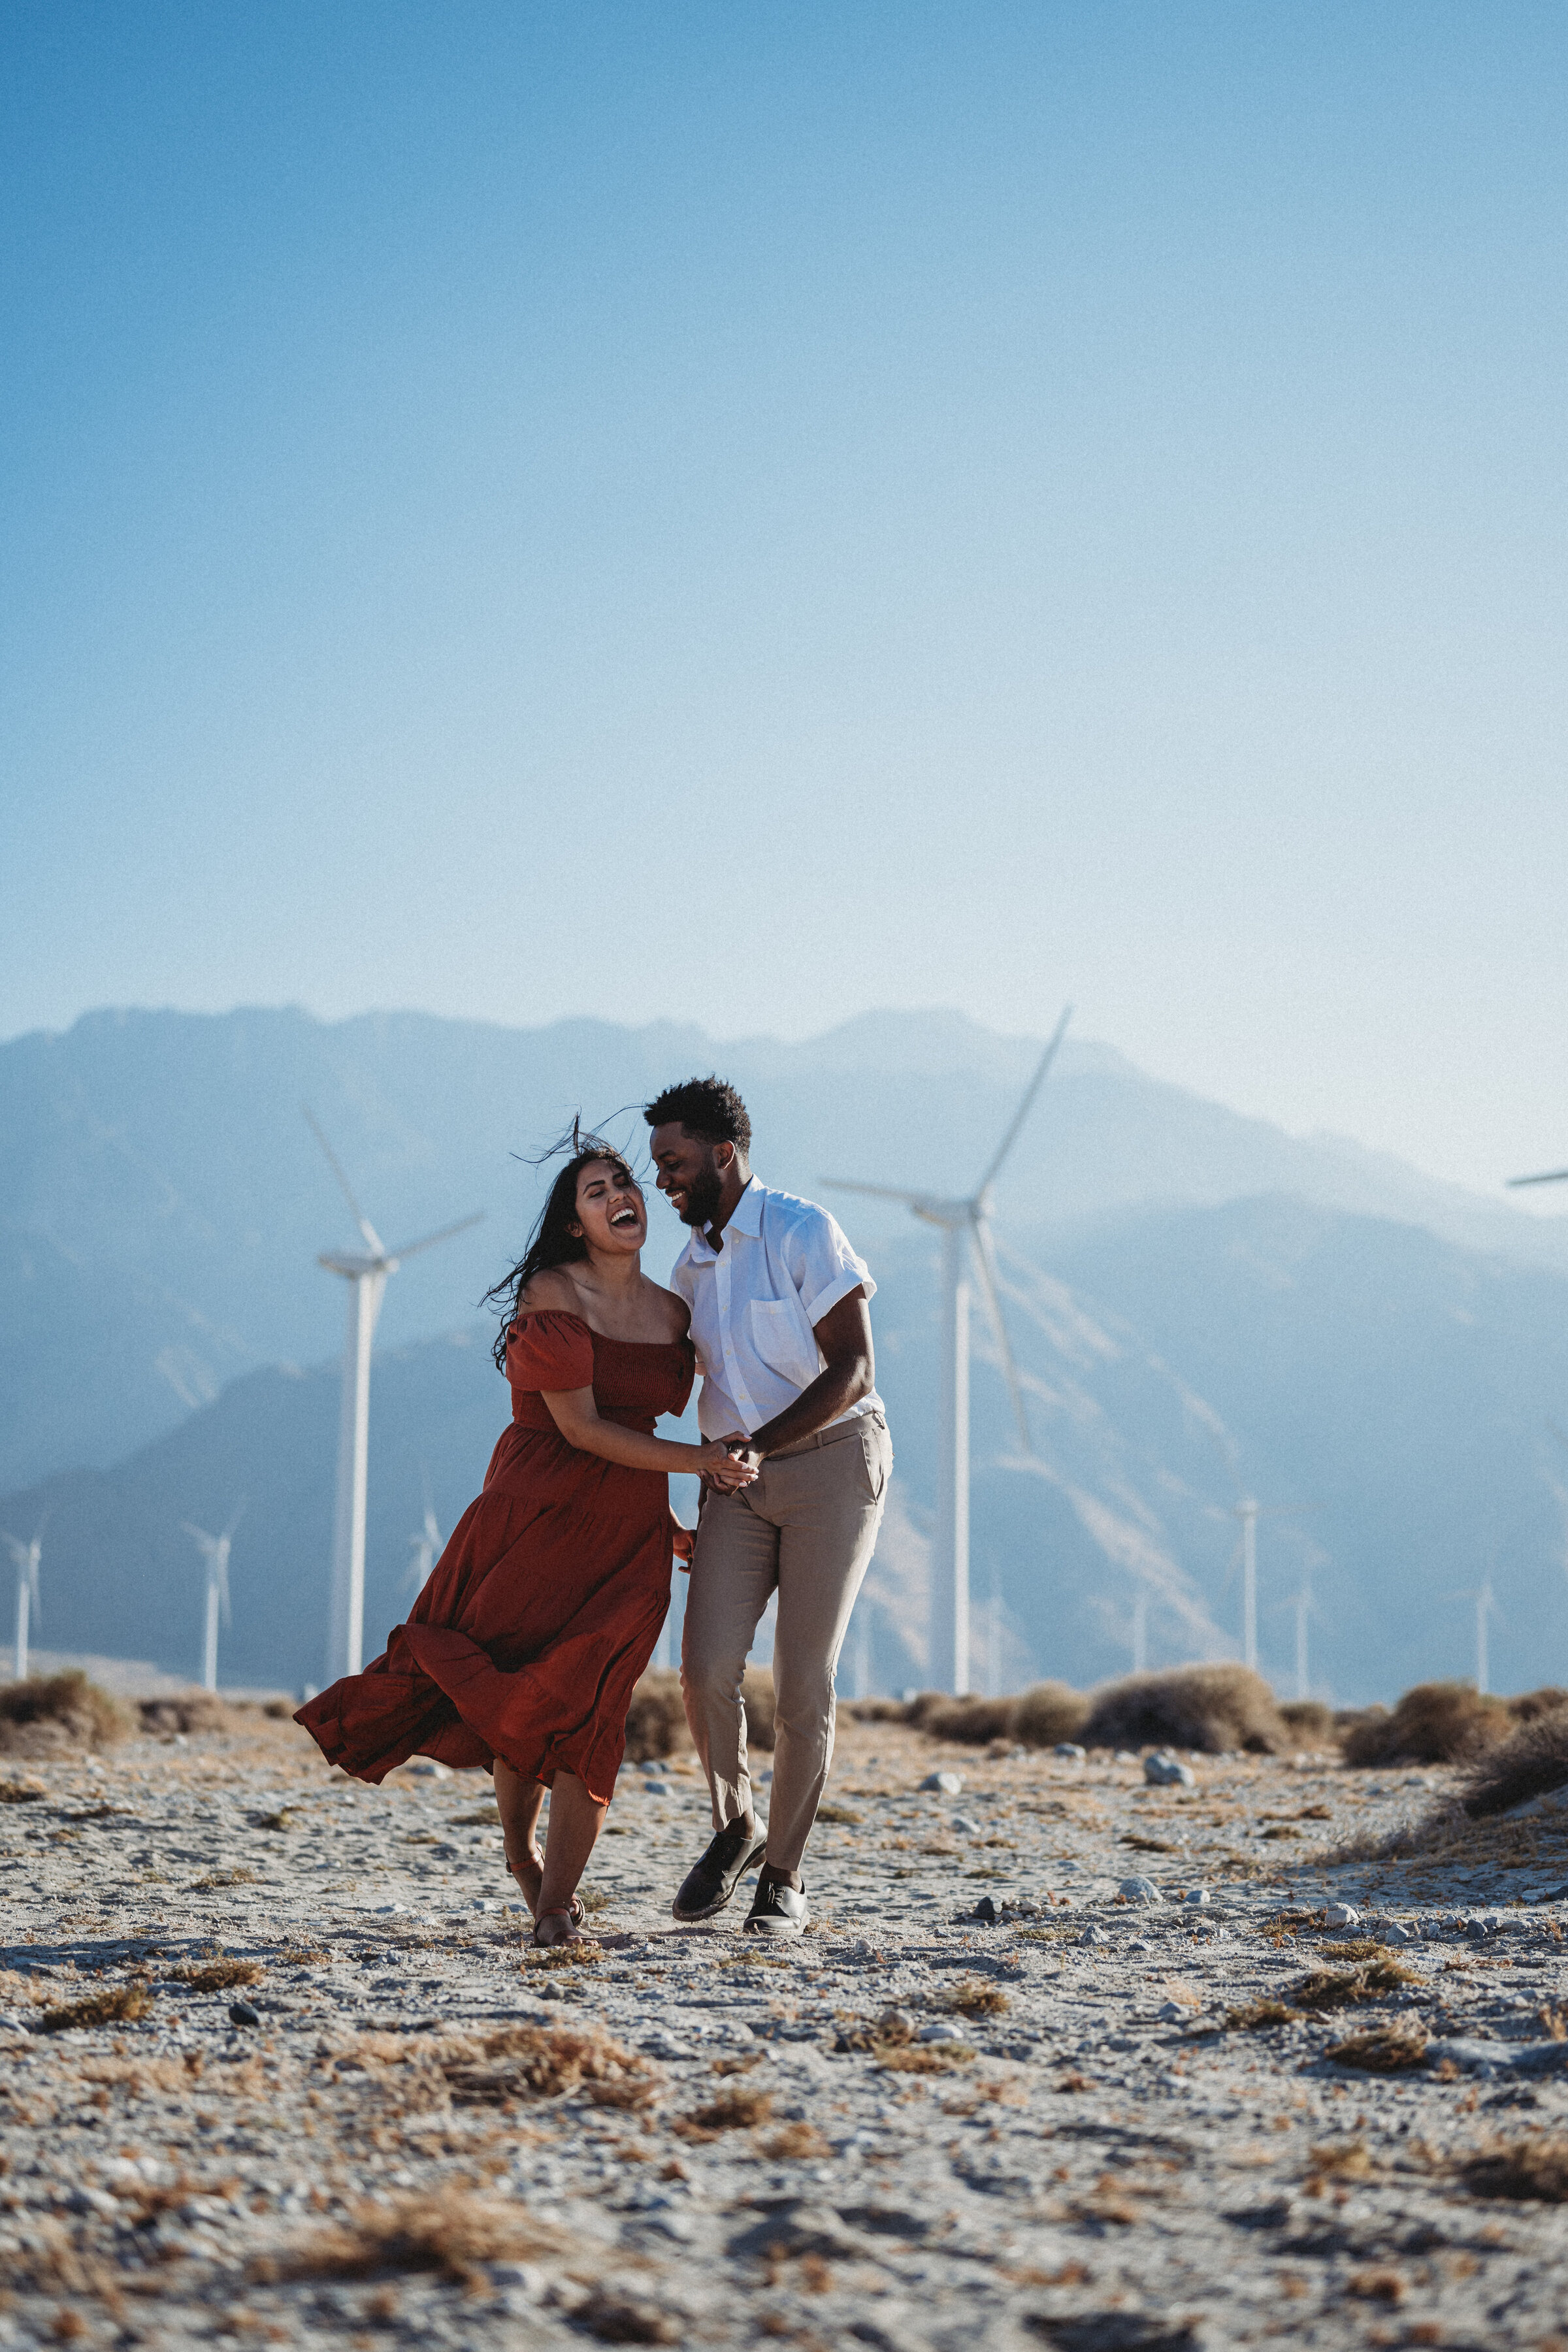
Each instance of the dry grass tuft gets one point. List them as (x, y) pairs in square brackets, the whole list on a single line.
[(1343, 2160), (546, 2062), (616, 2317), (656, 1720), (737, 2110), (1256, 2013), (1534, 2168), (1037, 1717), (1310, 1723), (217, 1976), (1532, 1762), (582, 1954), (56, 1714), (972, 1997), (1384, 2050), (189, 1711), (796, 2144), (1434, 1723), (122, 2005), (21, 1792), (1209, 1708), (968, 1722), (1324, 1988), (923, 2058), (450, 2229)]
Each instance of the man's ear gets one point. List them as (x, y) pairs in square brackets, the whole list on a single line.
[(723, 1158)]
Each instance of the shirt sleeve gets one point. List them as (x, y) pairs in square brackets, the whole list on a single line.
[(550, 1352), (821, 1264)]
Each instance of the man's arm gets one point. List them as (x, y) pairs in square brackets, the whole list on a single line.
[(844, 1335)]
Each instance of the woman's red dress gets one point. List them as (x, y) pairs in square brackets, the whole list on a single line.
[(544, 1608)]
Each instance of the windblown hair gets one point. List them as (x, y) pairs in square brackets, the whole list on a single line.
[(552, 1242), (709, 1108)]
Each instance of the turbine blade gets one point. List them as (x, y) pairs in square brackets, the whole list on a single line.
[(412, 1249), (239, 1510), (982, 1258), (880, 1191), (1551, 1176), (1022, 1113), (373, 1239)]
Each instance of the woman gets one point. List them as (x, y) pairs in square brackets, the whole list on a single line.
[(522, 1650)]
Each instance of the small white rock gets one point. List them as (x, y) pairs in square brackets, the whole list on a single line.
[(1140, 1890), (943, 1784), (1166, 1770), (1069, 1750), (1197, 1894), (963, 1825), (939, 2029), (1092, 1934), (1342, 1915)]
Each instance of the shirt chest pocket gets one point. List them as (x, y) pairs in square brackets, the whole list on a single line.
[(783, 1340)]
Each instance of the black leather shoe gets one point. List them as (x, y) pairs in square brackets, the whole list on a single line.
[(775, 1911), (709, 1885)]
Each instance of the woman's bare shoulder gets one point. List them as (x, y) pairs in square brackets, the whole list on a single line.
[(550, 1292), (673, 1311)]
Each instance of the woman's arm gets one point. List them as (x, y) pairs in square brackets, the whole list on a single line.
[(576, 1416)]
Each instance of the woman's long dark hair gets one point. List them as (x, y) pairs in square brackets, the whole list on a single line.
[(550, 1243)]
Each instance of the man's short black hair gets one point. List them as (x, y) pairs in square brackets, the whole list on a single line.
[(706, 1107)]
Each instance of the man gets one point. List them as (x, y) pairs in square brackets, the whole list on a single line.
[(781, 1321)]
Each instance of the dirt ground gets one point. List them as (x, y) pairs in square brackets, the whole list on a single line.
[(278, 2069)]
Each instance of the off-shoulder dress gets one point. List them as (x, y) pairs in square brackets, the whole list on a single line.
[(545, 1606)]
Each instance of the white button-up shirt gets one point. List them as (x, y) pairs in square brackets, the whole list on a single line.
[(783, 1263)]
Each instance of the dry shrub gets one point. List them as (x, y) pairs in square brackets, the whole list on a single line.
[(923, 2058), (1049, 1712), (582, 1953), (1532, 1762), (119, 2005), (972, 1997), (56, 1714), (1434, 1723), (656, 1720), (969, 1722), (546, 2062), (757, 1698), (1343, 2160), (1310, 1723), (21, 1792), (1529, 1706), (1208, 1707), (1384, 2050), (1535, 2167), (216, 1976), (737, 2110), (450, 2229), (616, 2317), (188, 1711)]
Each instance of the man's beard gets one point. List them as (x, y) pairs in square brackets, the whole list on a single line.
[(703, 1195)]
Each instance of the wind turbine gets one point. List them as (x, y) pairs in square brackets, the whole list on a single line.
[(1486, 1606), (365, 1272), (1248, 1510), (962, 1223), (426, 1547), (213, 1549), (24, 1558), (1304, 1606), (1140, 1627)]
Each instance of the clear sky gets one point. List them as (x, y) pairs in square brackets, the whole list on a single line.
[(755, 512)]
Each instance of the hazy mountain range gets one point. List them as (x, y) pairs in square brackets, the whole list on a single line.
[(1201, 1304)]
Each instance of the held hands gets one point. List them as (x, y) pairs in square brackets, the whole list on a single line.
[(725, 1469)]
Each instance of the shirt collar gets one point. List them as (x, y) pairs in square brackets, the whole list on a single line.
[(746, 1217)]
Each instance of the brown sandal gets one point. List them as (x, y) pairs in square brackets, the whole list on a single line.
[(571, 1913)]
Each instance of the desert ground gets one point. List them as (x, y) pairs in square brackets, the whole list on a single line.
[(1056, 2064)]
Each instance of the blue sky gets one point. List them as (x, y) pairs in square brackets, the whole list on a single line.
[(754, 513)]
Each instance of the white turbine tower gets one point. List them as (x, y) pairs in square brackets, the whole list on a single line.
[(962, 1223), (213, 1549), (1248, 1510), (1486, 1606), (365, 1272), (24, 1558), (426, 1547), (1303, 1607)]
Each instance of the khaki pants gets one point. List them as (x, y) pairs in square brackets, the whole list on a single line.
[(806, 1528)]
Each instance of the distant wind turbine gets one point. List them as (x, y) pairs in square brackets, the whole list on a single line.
[(426, 1547), (1248, 1510), (1486, 1606), (365, 1272), (24, 1558), (1140, 1627), (962, 1223), (1303, 1606), (213, 1549)]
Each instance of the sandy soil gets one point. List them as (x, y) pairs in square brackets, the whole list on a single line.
[(415, 2129)]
